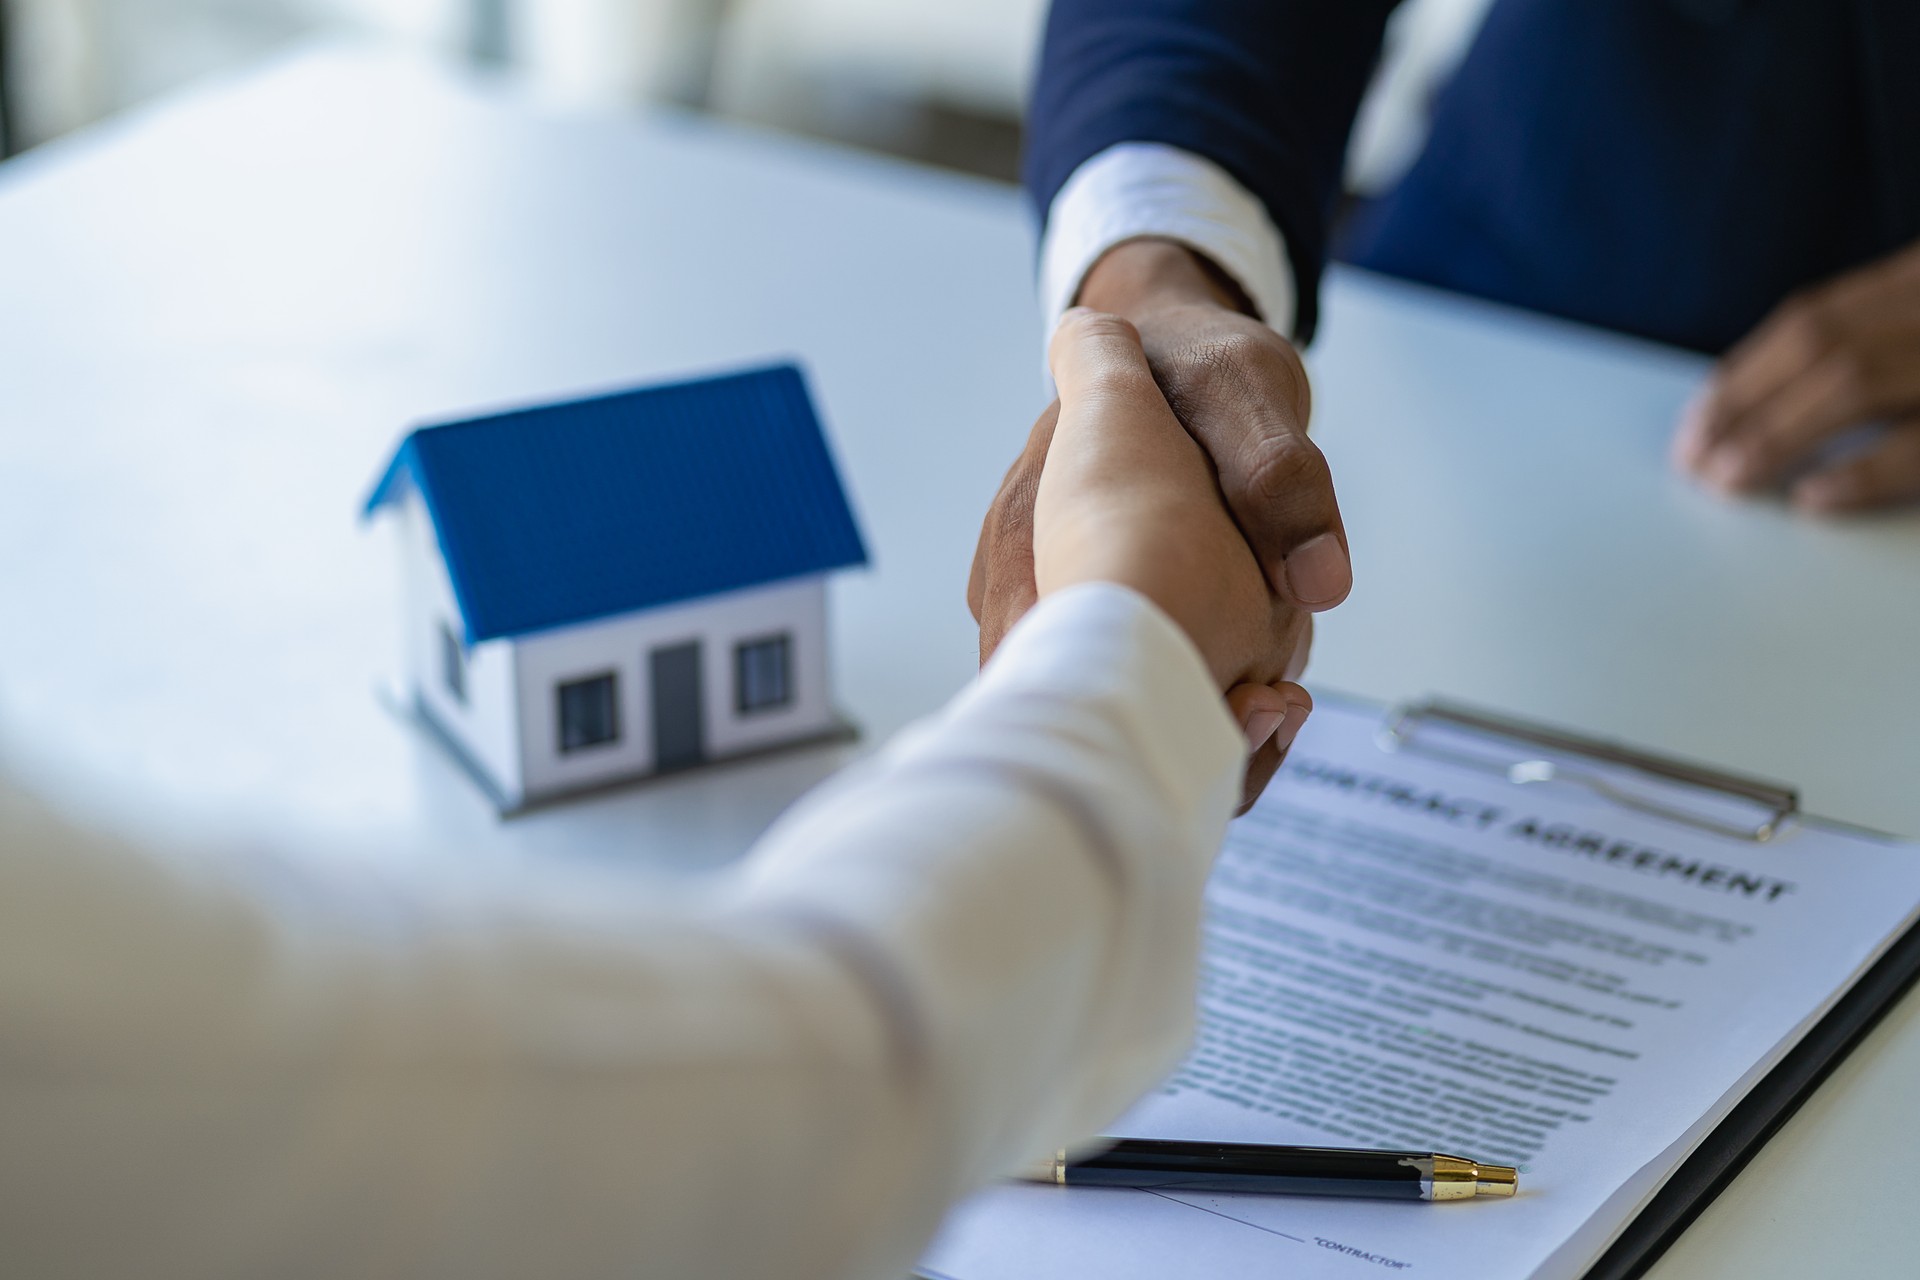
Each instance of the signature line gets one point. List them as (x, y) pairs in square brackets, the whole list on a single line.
[(1229, 1217)]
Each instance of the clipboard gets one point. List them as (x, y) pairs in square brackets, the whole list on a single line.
[(1590, 777), (1528, 754)]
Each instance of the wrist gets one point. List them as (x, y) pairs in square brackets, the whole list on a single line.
[(1189, 580), (1139, 276)]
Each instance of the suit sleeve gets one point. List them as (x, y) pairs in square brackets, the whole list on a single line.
[(1266, 89)]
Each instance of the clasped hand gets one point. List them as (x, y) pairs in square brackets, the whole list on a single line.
[(1198, 414), (1239, 504), (1119, 492)]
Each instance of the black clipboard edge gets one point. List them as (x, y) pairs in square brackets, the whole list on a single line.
[(1734, 1142), (1767, 1107), (1761, 1114)]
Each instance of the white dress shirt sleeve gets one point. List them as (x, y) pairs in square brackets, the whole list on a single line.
[(977, 946), (1136, 189)]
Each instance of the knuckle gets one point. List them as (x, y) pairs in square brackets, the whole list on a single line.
[(1755, 459), (1283, 467), (1010, 516), (1809, 326), (1006, 530), (1246, 369), (1850, 377), (1238, 355), (1239, 346), (1093, 325)]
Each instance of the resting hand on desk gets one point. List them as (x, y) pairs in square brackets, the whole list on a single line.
[(1839, 356), (1239, 390)]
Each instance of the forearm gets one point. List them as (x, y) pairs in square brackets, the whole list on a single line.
[(1265, 90), (1139, 276), (982, 944), (1098, 728)]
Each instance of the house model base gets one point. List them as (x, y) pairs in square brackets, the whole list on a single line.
[(618, 588), (421, 718)]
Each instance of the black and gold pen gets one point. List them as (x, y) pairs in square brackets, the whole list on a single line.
[(1162, 1165)]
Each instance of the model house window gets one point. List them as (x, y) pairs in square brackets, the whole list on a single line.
[(763, 673), (588, 714), (453, 664)]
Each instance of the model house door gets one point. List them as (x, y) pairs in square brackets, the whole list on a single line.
[(679, 726)]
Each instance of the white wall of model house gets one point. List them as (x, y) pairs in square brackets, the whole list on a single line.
[(484, 722), (506, 714), (623, 645)]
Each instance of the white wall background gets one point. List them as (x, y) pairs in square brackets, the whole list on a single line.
[(76, 61), (855, 69)]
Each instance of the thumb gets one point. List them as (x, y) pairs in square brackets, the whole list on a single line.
[(1115, 432), (1091, 349)]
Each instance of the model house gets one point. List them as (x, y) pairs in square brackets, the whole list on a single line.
[(621, 586)]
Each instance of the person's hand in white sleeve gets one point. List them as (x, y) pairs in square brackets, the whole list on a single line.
[(1127, 496), (1104, 705), (981, 943), (1239, 390)]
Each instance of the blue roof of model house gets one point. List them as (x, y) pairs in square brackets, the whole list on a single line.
[(572, 512)]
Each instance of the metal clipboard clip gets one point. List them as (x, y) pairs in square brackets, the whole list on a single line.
[(1661, 787)]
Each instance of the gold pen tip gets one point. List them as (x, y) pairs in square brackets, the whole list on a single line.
[(1451, 1178), (1052, 1169), (1496, 1180)]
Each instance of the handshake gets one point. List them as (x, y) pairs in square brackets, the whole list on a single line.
[(1176, 462)]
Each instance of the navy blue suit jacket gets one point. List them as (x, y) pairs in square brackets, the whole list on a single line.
[(1669, 168)]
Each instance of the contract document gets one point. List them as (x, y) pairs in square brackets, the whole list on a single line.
[(1407, 952)]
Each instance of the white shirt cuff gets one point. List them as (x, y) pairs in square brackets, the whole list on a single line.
[(1136, 189), (1109, 646)]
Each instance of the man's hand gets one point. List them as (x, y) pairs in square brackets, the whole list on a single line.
[(1839, 356), (1239, 389), (1126, 495)]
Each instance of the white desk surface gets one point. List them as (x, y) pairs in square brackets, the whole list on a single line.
[(221, 313)]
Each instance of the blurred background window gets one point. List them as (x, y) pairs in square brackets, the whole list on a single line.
[(937, 82)]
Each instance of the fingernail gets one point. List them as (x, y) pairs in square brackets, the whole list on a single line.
[(1318, 572), (1689, 437), (1728, 475), (1693, 413), (1813, 504), (1291, 724), (1820, 495), (1280, 727), (1260, 726)]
